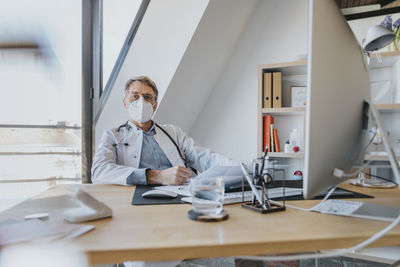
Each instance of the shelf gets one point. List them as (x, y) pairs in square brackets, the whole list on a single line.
[(284, 111), (289, 68), (298, 155), (299, 110), (387, 54), (388, 107), (388, 59), (379, 157)]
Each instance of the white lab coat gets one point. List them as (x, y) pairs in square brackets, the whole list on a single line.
[(112, 164)]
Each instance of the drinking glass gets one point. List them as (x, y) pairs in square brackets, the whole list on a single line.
[(208, 195)]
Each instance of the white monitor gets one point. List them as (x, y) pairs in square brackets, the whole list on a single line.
[(338, 82)]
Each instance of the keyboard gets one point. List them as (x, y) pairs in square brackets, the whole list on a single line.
[(236, 197)]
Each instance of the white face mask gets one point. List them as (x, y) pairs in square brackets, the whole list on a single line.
[(140, 110)]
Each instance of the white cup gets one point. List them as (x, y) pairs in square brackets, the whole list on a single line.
[(208, 195)]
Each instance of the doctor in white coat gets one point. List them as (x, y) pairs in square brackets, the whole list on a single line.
[(143, 152)]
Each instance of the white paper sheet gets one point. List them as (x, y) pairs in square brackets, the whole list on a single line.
[(232, 176), (222, 171), (236, 197)]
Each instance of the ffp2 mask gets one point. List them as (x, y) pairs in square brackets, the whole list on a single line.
[(140, 110)]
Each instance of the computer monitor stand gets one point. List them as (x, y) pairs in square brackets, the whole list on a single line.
[(361, 180)]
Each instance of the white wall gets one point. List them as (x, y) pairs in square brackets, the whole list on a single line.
[(205, 59), (156, 51), (277, 32)]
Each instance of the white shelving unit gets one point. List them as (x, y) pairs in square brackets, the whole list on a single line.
[(387, 72), (389, 59), (298, 155), (284, 111), (378, 157), (392, 108), (286, 118)]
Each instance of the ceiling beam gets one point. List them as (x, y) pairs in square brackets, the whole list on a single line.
[(386, 2), (375, 13)]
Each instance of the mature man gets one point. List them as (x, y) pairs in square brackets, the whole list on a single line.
[(143, 152)]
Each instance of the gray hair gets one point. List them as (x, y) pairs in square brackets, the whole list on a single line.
[(144, 80)]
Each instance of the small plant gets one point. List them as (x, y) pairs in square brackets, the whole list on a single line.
[(394, 27)]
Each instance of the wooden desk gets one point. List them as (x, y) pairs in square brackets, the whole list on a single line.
[(164, 232)]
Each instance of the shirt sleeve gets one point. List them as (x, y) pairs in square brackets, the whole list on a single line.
[(137, 177)]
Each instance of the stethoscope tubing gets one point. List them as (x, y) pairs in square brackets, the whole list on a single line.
[(128, 127)]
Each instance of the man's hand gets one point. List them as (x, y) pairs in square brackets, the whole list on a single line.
[(173, 176)]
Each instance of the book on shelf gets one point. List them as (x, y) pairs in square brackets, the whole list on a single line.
[(272, 138), (267, 90), (276, 141), (268, 120), (270, 135), (277, 89)]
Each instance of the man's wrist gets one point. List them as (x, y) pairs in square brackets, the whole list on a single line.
[(153, 176)]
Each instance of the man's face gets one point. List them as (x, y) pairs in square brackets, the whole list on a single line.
[(137, 90)]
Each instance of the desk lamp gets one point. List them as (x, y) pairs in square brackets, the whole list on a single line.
[(378, 36)]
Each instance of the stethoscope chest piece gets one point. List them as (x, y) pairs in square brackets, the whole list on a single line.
[(123, 142)]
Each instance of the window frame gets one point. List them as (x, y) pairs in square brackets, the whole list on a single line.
[(101, 94), (94, 97)]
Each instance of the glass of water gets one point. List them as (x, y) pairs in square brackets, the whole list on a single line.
[(208, 195)]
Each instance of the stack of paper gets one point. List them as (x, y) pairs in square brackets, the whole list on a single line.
[(236, 197)]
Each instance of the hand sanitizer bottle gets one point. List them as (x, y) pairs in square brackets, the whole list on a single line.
[(287, 147)]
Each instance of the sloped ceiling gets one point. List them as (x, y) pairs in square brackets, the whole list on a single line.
[(203, 62), (156, 51)]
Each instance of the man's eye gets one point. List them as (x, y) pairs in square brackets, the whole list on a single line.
[(136, 96)]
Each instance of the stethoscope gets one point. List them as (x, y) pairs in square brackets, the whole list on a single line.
[(128, 127)]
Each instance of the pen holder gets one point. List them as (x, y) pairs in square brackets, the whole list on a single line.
[(261, 181)]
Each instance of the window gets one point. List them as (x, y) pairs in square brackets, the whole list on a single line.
[(40, 118), (118, 17)]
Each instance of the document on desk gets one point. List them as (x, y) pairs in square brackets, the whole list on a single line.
[(357, 209), (216, 171), (232, 176), (236, 197)]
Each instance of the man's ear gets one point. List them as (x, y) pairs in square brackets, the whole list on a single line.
[(124, 101), (155, 106)]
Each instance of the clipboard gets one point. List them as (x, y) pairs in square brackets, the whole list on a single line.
[(137, 198)]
